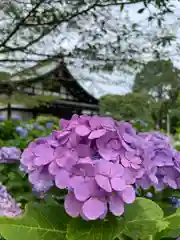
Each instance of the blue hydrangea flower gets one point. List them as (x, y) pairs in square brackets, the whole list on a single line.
[(9, 154), (28, 126), (49, 124), (38, 127), (21, 131), (16, 118), (175, 202), (2, 118), (149, 195), (143, 123)]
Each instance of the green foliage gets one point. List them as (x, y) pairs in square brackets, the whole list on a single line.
[(16, 183), (158, 78), (7, 130), (142, 220), (101, 229), (32, 129), (47, 119), (161, 80), (40, 221), (127, 107), (173, 229), (141, 125)]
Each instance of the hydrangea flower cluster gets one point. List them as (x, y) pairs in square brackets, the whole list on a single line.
[(161, 163), (100, 162), (8, 206), (175, 202), (9, 154), (21, 131)]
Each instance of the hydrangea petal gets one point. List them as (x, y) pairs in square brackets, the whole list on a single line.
[(116, 170), (62, 179), (115, 144), (125, 161), (135, 166), (153, 178), (43, 149), (97, 133), (105, 212), (94, 122), (103, 167), (118, 184), (63, 123), (76, 180), (108, 154), (128, 195), (84, 190), (39, 161), (108, 123), (66, 161), (86, 169), (171, 182), (72, 205), (128, 138), (93, 208), (103, 182), (116, 205), (82, 130), (129, 176), (53, 168)]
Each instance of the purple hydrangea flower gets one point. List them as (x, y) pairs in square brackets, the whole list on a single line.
[(9, 154), (8, 206), (160, 163), (98, 160), (34, 161)]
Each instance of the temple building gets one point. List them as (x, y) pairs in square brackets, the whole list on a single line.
[(45, 89)]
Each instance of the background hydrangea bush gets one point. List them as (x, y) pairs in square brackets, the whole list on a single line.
[(20, 133), (15, 135), (97, 178)]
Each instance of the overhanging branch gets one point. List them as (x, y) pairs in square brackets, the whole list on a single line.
[(21, 22)]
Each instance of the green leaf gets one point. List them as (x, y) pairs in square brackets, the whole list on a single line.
[(122, 6), (173, 229), (143, 219), (176, 193), (107, 229), (167, 208), (40, 221)]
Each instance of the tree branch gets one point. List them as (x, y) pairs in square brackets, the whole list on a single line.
[(21, 22), (45, 32)]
